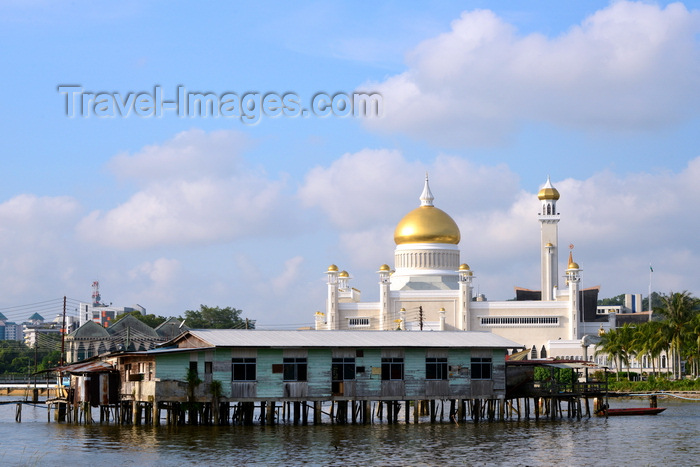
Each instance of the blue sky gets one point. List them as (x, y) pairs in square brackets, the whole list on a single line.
[(488, 97)]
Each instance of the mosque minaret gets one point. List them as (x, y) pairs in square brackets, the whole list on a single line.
[(549, 250)]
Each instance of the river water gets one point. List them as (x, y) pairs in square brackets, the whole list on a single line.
[(671, 438)]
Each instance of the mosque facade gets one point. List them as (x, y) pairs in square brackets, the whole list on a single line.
[(430, 289)]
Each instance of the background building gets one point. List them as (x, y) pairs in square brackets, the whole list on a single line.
[(102, 313)]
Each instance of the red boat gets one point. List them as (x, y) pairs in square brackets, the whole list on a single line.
[(634, 411)]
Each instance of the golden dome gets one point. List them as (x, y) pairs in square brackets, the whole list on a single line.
[(548, 192), (343, 274), (427, 224), (384, 267), (464, 267), (332, 268), (572, 263)]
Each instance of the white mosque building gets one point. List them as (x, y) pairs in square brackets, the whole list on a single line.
[(429, 289)]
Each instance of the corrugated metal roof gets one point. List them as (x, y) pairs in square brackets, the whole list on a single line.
[(96, 366), (296, 339)]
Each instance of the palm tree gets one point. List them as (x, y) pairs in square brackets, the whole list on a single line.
[(609, 345), (693, 346), (626, 338), (678, 310), (641, 341), (649, 340), (617, 344)]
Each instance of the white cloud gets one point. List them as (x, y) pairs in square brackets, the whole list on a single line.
[(359, 189), (35, 241), (365, 194), (160, 272), (618, 223), (373, 188), (289, 275), (197, 196), (628, 66), (188, 155)]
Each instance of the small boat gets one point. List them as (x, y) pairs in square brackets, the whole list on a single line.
[(634, 411)]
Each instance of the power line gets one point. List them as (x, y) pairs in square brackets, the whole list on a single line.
[(32, 304), (46, 307)]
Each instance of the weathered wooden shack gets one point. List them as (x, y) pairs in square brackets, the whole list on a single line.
[(93, 383), (265, 370)]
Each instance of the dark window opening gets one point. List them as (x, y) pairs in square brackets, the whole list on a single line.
[(243, 369), (294, 369), (392, 369), (481, 368), (343, 369), (436, 368)]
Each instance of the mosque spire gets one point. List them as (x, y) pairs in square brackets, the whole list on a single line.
[(426, 198)]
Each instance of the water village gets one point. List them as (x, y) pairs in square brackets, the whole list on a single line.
[(429, 350), (315, 376)]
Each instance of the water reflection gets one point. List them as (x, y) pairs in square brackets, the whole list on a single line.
[(669, 438)]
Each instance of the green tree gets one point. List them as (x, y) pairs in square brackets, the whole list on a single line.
[(193, 382), (655, 301), (691, 345), (650, 339), (614, 301), (617, 345), (678, 310), (51, 360), (208, 317)]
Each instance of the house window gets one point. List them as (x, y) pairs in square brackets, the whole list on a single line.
[(436, 368), (243, 369), (193, 367), (481, 368), (392, 369), (294, 369), (207, 368), (358, 322), (343, 369)]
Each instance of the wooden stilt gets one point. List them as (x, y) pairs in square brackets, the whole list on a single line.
[(156, 413)]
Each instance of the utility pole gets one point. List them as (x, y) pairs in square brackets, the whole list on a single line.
[(63, 332)]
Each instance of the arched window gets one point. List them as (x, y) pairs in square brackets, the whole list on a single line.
[(663, 361), (549, 209)]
